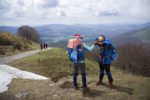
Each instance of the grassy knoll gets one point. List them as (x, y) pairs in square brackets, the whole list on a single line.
[(12, 44), (53, 64)]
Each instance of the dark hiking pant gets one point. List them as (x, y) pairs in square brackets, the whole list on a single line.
[(76, 66), (105, 67)]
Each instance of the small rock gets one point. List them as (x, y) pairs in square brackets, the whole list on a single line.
[(97, 97), (21, 95), (52, 84), (55, 95)]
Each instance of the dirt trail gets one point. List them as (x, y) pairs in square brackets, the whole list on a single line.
[(9, 59)]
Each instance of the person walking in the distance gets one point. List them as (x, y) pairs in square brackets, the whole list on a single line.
[(46, 45), (41, 46)]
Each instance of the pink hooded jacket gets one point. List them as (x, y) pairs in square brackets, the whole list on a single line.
[(73, 43)]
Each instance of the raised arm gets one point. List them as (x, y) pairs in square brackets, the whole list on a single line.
[(85, 47)]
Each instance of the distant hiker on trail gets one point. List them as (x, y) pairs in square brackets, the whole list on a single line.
[(76, 55), (41, 46), (107, 53), (46, 45)]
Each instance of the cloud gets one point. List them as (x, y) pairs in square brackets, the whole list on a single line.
[(109, 14), (140, 8), (36, 12), (5, 5), (21, 2), (49, 3)]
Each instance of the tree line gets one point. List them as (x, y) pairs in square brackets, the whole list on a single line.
[(134, 58), (131, 57)]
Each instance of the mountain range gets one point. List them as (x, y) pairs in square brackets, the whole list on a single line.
[(54, 33)]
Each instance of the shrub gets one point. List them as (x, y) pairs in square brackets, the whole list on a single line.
[(10, 43), (134, 58)]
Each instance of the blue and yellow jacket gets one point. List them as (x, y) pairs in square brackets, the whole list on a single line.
[(107, 52)]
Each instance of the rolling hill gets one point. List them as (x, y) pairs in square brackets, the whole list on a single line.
[(12, 44), (138, 36), (143, 35)]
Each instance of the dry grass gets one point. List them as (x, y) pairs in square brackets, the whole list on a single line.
[(53, 64), (12, 44), (135, 88)]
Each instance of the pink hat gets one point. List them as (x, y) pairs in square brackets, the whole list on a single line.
[(77, 35)]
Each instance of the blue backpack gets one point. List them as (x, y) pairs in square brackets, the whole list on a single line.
[(106, 53), (76, 54)]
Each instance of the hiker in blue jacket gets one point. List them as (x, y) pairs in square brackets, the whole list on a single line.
[(76, 55), (107, 54)]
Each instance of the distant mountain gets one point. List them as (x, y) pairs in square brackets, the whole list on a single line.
[(109, 30), (143, 35), (138, 36), (11, 29), (54, 33)]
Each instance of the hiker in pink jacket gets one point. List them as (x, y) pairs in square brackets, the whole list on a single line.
[(41, 46), (46, 45)]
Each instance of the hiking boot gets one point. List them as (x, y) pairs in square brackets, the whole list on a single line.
[(84, 88), (76, 88), (110, 85), (99, 82)]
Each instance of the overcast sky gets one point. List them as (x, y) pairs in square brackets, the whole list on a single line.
[(40, 12)]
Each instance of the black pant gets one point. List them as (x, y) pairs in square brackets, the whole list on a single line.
[(105, 67), (75, 71)]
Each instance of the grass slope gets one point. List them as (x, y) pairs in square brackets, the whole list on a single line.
[(55, 65), (143, 35), (13, 44), (35, 46)]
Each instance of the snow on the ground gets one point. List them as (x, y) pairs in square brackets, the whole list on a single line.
[(7, 73), (5, 79)]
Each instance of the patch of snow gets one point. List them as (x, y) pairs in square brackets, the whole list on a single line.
[(7, 73), (5, 79)]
